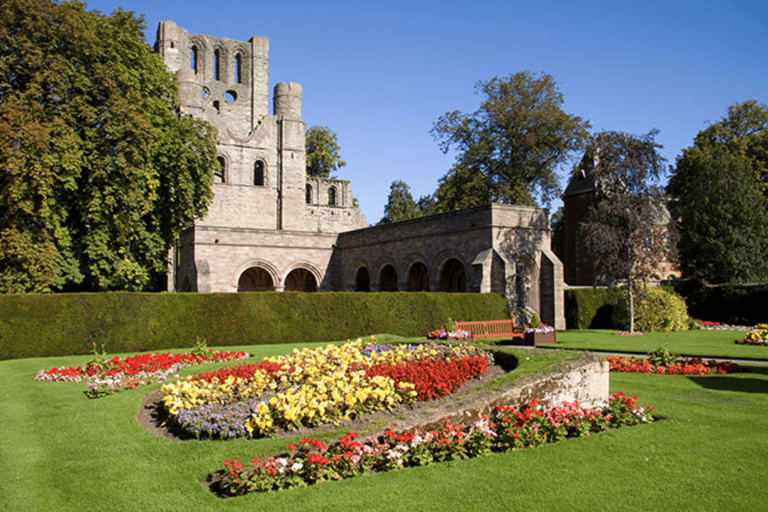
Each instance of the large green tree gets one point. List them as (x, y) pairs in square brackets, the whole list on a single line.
[(322, 152), (98, 169), (508, 151), (628, 230), (721, 189)]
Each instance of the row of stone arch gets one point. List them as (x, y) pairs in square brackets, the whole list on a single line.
[(260, 279), (453, 278)]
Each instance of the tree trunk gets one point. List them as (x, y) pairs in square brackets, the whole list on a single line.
[(631, 308)]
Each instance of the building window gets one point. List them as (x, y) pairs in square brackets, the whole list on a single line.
[(220, 171), (308, 194), (258, 173), (216, 61), (194, 59), (238, 69), (332, 196)]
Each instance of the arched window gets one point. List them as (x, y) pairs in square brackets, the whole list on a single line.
[(308, 193), (418, 278), (300, 280), (255, 279), (258, 173), (332, 196), (238, 68), (453, 278), (216, 61), (194, 59), (388, 279), (362, 280), (219, 172)]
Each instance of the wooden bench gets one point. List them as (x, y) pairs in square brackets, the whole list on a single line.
[(492, 329)]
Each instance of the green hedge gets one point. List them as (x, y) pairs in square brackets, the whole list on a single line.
[(591, 308), (731, 304), (68, 324)]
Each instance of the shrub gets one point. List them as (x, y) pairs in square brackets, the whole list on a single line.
[(656, 310)]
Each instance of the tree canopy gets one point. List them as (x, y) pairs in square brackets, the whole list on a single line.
[(98, 169), (720, 185), (510, 148), (628, 231), (322, 152), (400, 204)]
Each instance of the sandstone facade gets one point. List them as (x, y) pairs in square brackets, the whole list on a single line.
[(271, 227)]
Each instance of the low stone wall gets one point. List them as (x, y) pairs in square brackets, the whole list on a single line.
[(584, 379)]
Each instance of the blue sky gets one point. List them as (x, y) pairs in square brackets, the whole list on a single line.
[(380, 74)]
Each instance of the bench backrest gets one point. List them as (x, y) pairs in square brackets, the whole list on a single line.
[(490, 328)]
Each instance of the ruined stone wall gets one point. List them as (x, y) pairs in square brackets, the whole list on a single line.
[(261, 183), (430, 241), (499, 248), (222, 255)]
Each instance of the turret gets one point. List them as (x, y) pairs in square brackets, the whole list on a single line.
[(287, 101)]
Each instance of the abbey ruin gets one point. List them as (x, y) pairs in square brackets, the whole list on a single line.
[(271, 227)]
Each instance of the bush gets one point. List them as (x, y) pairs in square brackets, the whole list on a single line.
[(656, 310)]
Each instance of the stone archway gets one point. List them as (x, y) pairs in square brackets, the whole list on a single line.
[(300, 280), (362, 280), (418, 278), (255, 279), (453, 278), (388, 279)]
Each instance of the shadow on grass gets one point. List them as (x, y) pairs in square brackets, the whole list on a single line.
[(723, 383)]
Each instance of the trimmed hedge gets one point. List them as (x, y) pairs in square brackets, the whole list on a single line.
[(69, 324), (591, 308), (730, 304)]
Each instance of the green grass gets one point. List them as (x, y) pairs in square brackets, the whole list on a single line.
[(688, 343), (63, 452)]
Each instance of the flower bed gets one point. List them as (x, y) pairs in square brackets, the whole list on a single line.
[(442, 334), (719, 326), (757, 336), (506, 429), (315, 387), (106, 376), (693, 366)]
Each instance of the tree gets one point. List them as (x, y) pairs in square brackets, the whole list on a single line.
[(322, 152), (510, 148), (400, 204), (98, 170), (628, 230), (720, 185)]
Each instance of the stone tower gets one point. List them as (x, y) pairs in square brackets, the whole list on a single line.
[(261, 185)]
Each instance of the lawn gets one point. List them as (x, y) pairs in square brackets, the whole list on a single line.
[(689, 343), (63, 452)]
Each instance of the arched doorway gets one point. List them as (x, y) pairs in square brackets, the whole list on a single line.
[(255, 279), (453, 277), (362, 280), (418, 278), (300, 280), (388, 279)]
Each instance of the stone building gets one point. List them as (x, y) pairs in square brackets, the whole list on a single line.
[(579, 196), (271, 227)]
